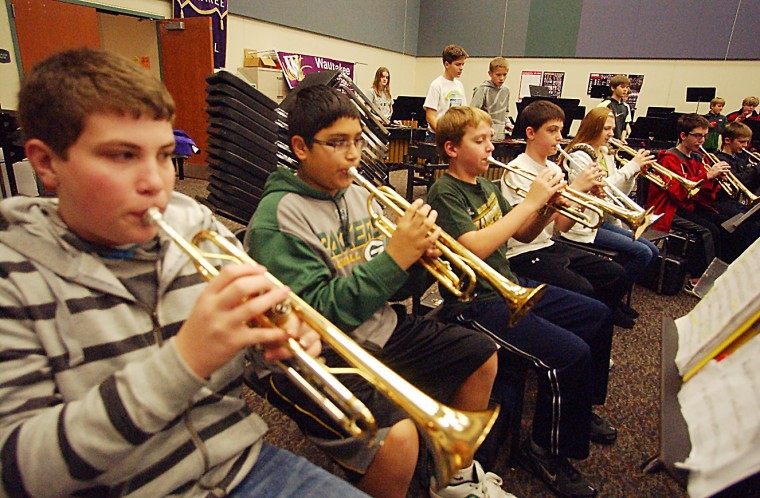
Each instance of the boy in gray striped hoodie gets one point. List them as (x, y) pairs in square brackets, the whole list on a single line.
[(121, 368)]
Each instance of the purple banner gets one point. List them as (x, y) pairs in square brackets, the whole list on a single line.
[(296, 66), (217, 11)]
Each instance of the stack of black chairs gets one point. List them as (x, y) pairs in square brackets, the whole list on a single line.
[(248, 139), (244, 145)]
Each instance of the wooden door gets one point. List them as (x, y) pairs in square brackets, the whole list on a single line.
[(45, 27), (187, 57)]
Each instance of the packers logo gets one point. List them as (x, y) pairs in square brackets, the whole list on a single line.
[(373, 248)]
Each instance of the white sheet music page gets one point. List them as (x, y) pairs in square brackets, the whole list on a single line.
[(734, 298), (721, 405)]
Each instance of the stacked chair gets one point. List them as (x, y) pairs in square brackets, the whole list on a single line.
[(248, 139)]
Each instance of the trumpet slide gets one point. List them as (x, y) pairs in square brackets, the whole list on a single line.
[(452, 435), (658, 174)]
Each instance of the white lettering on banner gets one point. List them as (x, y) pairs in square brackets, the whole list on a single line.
[(331, 66), (217, 3)]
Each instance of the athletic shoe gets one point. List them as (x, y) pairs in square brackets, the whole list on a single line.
[(556, 472), (601, 431), (482, 485), (628, 310)]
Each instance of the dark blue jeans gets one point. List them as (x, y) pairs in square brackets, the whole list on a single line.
[(567, 337), (637, 253)]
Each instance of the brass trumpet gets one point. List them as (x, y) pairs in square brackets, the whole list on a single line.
[(658, 174), (731, 185), (754, 157), (519, 299), (637, 218), (589, 202), (453, 435)]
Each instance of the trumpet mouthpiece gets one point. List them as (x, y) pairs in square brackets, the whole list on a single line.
[(151, 217)]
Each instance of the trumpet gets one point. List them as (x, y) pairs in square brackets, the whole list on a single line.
[(620, 205), (587, 201), (731, 185), (519, 299), (452, 435), (637, 218), (754, 157), (658, 174)]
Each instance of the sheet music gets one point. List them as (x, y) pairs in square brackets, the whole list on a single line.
[(721, 406), (731, 224), (734, 298)]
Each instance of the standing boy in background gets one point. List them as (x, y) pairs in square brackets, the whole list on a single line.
[(446, 90), (493, 97), (717, 123), (621, 87)]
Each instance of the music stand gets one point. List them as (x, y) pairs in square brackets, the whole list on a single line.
[(409, 109), (700, 94)]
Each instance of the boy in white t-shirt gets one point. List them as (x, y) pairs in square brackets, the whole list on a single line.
[(446, 90)]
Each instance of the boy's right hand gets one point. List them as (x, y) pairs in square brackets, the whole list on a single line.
[(414, 235), (546, 185), (217, 328)]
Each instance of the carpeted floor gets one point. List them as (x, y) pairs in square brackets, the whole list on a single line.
[(633, 404)]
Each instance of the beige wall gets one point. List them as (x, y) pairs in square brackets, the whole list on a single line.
[(665, 82)]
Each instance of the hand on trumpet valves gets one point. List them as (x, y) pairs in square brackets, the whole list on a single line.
[(545, 189), (592, 176), (218, 326), (718, 169), (415, 235), (644, 159)]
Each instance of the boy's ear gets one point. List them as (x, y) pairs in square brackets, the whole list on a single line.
[(43, 159), (530, 133), (299, 147), (450, 148)]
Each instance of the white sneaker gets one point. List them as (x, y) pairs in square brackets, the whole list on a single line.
[(488, 485)]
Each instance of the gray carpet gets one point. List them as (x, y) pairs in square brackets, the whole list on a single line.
[(633, 404)]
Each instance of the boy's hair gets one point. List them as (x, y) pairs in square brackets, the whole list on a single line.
[(315, 108), (750, 101), (538, 113), (453, 52), (376, 82), (453, 125), (689, 122), (735, 130), (717, 101), (499, 62), (59, 93), (591, 126), (619, 79)]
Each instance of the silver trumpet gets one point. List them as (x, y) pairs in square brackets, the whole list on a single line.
[(625, 209), (452, 435)]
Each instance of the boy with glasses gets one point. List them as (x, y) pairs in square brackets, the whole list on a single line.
[(313, 231), (686, 160)]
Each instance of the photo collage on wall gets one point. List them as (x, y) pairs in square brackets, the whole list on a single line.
[(551, 80)]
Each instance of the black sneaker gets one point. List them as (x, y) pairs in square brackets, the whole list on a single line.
[(628, 310), (620, 319), (601, 431), (556, 472)]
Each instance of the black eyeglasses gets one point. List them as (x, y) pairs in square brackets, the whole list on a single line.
[(342, 145), (698, 135)]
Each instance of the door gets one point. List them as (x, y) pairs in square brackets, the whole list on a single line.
[(187, 57), (45, 27)]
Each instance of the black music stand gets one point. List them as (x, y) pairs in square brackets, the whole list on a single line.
[(700, 94), (409, 109)]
